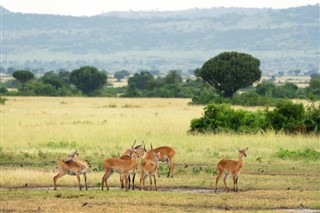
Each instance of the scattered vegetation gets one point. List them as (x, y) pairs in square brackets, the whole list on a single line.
[(305, 154), (144, 84), (2, 100), (61, 144)]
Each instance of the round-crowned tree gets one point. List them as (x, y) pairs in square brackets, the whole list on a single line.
[(88, 79), (121, 74), (230, 71), (23, 76)]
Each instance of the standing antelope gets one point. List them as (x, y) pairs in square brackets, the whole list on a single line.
[(166, 154), (233, 167), (140, 149), (121, 166), (72, 166), (149, 168)]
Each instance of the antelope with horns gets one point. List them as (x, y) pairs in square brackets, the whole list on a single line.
[(140, 149), (121, 166), (149, 168), (72, 166), (233, 167), (166, 154)]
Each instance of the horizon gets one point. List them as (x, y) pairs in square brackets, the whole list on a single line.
[(96, 7)]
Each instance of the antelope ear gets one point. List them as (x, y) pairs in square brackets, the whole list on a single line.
[(151, 146)]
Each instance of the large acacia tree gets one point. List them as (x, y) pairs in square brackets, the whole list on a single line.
[(23, 76), (88, 79), (230, 71)]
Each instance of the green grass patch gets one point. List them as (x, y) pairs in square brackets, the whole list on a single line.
[(306, 154)]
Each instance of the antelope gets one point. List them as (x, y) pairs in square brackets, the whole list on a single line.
[(149, 168), (72, 166), (140, 149), (166, 154), (233, 167), (121, 166)]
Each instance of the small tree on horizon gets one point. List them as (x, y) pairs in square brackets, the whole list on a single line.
[(88, 79), (121, 75)]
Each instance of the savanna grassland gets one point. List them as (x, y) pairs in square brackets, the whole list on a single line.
[(35, 132)]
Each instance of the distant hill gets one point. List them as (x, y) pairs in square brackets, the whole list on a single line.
[(283, 40)]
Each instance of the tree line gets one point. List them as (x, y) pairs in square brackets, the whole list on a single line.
[(217, 81)]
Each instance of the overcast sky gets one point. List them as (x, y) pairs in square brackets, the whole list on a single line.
[(94, 7)]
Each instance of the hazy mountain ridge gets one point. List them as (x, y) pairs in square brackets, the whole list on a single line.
[(282, 39)]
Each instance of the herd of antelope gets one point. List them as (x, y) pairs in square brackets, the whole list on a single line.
[(127, 165)]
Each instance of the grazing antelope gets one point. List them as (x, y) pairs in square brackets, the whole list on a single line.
[(149, 168), (140, 149), (166, 154), (72, 166), (121, 166), (233, 167)]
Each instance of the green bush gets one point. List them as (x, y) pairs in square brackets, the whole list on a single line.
[(312, 119), (287, 117), (222, 118)]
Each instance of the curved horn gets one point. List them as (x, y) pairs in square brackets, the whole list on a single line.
[(132, 147), (151, 145)]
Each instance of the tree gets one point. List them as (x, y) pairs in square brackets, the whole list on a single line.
[(173, 77), (230, 71), (121, 74), (52, 79), (314, 86), (88, 79), (265, 88), (23, 76), (143, 80)]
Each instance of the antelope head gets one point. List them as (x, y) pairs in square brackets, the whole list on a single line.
[(71, 156), (242, 152)]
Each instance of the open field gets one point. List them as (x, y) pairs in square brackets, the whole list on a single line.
[(36, 131)]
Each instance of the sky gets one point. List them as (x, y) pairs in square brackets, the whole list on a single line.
[(95, 7)]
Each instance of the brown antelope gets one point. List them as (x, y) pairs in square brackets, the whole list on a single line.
[(149, 168), (233, 167), (72, 166), (121, 166), (166, 154), (140, 149)]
